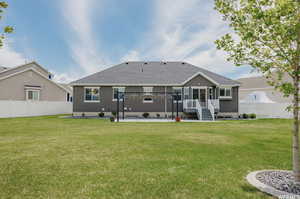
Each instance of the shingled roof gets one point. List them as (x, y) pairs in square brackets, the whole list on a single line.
[(151, 73)]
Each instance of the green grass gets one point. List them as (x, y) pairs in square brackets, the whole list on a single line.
[(50, 157)]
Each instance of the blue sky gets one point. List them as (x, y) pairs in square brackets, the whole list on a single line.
[(73, 38)]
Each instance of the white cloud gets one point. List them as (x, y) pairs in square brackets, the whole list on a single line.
[(186, 30), (131, 56), (78, 15), (64, 77), (9, 57), (252, 73)]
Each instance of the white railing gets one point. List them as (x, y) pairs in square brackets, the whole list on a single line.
[(193, 104), (189, 104), (211, 108), (199, 109), (215, 103)]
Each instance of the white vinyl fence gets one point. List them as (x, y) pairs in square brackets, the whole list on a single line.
[(266, 110), (26, 108)]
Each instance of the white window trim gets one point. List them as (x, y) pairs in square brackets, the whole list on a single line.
[(113, 97), (91, 101), (148, 87), (225, 97), (148, 101), (36, 90), (181, 92)]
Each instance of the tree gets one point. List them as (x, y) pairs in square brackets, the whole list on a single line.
[(266, 35), (7, 29)]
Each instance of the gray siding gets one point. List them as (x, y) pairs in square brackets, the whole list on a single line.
[(199, 81), (133, 102), (230, 105)]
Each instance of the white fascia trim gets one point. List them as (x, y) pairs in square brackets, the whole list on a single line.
[(34, 70), (122, 85), (33, 62), (210, 79), (143, 85), (253, 89), (200, 73)]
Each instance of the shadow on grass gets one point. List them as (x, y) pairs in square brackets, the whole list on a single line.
[(249, 188)]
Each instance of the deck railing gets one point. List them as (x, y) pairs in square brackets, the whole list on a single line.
[(191, 104), (211, 108)]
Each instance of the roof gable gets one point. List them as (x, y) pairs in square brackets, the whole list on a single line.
[(8, 71), (37, 72)]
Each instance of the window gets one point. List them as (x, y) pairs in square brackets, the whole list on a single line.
[(92, 94), (33, 95), (121, 93), (186, 92), (210, 93), (177, 90), (148, 94), (225, 92), (148, 90)]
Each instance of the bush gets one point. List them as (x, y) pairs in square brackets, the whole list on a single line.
[(252, 115), (145, 115), (114, 113), (112, 119), (82, 114), (158, 115), (101, 114), (245, 115)]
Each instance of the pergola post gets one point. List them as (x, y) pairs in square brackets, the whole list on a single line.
[(177, 105), (172, 106), (123, 106), (118, 102)]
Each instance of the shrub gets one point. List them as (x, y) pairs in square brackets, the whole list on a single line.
[(252, 115), (158, 115), (112, 119), (114, 113), (101, 114), (145, 115), (82, 114), (245, 115)]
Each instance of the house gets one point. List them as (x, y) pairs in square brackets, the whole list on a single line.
[(31, 82), (257, 96), (257, 90), (157, 88)]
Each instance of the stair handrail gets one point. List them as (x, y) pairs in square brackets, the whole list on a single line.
[(211, 109), (199, 109)]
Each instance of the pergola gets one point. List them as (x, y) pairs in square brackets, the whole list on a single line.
[(121, 99)]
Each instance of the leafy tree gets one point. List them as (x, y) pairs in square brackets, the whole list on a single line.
[(7, 29), (266, 35)]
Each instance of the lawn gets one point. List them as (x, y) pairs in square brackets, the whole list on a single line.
[(50, 157)]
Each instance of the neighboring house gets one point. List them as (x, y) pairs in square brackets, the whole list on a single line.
[(149, 86), (257, 96), (31, 82), (257, 90)]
